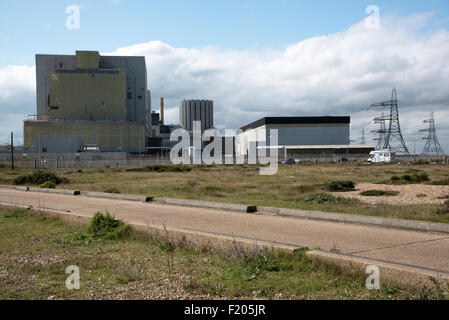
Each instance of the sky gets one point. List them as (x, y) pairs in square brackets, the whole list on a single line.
[(254, 58)]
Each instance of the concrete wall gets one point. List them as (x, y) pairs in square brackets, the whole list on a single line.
[(58, 144), (136, 105), (87, 60), (196, 110), (93, 95), (109, 135)]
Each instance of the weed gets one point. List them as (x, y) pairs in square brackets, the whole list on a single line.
[(48, 185), (379, 193), (112, 190), (161, 168), (340, 186), (39, 177), (105, 226), (306, 188), (444, 208), (14, 214), (323, 198), (415, 177), (444, 182)]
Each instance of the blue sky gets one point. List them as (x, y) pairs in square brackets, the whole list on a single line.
[(253, 58), (29, 27)]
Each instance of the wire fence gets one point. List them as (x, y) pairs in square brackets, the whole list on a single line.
[(68, 161)]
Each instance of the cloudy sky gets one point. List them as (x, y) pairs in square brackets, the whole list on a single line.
[(253, 58)]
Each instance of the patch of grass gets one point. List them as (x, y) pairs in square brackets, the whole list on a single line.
[(323, 198), (48, 185), (443, 182), (340, 186), (161, 168), (444, 210), (378, 193), (112, 190), (39, 177), (306, 188), (34, 263), (412, 178)]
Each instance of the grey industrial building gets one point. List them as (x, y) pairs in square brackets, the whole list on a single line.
[(196, 110), (90, 99), (300, 136)]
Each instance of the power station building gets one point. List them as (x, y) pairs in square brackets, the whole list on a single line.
[(90, 100), (300, 136), (196, 110)]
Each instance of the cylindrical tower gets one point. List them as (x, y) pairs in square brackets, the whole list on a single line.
[(196, 110)]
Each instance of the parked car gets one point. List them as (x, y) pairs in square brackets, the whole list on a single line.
[(289, 161)]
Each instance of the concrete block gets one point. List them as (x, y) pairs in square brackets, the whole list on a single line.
[(401, 274), (128, 197), (206, 204)]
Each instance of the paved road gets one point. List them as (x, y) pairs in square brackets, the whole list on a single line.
[(429, 250)]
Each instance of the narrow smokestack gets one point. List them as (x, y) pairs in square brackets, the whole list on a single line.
[(162, 111)]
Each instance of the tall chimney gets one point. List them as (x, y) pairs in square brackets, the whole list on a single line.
[(162, 111)]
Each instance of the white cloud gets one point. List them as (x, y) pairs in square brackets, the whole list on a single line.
[(335, 74)]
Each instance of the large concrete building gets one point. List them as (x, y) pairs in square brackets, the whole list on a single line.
[(89, 98), (300, 136)]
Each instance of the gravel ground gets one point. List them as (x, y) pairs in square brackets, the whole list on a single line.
[(409, 194)]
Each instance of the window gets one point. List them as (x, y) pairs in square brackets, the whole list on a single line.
[(44, 149), (54, 108), (140, 97), (130, 95)]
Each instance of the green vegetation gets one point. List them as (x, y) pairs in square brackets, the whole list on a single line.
[(321, 198), (443, 182), (340, 186), (48, 185), (243, 184), (413, 178), (39, 177), (112, 190), (444, 208), (379, 193), (35, 253), (161, 168)]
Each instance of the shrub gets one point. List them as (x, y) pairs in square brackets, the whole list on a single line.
[(306, 188), (161, 168), (48, 185), (319, 198), (413, 178), (444, 182), (39, 177), (378, 193), (444, 208), (336, 186), (112, 190), (3, 166), (105, 226)]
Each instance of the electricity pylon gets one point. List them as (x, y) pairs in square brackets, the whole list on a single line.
[(432, 146), (381, 132), (394, 141)]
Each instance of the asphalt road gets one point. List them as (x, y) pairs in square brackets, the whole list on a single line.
[(422, 249)]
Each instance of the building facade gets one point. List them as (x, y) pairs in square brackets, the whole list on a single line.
[(101, 100)]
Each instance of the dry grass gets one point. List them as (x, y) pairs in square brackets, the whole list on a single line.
[(243, 184), (35, 251)]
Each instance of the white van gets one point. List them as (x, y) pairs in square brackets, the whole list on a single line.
[(381, 156)]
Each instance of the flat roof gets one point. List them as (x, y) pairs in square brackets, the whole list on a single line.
[(341, 146), (297, 120)]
